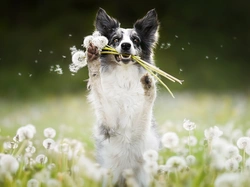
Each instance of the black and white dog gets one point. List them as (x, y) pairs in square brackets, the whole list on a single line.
[(123, 95)]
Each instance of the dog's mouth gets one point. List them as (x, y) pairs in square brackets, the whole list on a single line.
[(125, 58)]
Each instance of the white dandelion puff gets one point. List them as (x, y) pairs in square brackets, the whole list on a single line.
[(231, 151), (170, 140), (49, 132), (9, 163), (150, 155), (227, 180), (25, 132), (212, 133), (33, 183), (175, 163), (30, 149), (231, 165), (41, 159), (243, 142), (78, 61), (188, 125), (49, 143), (58, 69), (190, 159), (151, 167)]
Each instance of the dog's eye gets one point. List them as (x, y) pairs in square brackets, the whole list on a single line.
[(116, 40), (136, 40)]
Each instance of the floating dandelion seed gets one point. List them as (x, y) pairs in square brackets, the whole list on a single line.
[(63, 56), (176, 36), (40, 50), (207, 57), (70, 35), (36, 61), (51, 52), (20, 74), (182, 48), (78, 61), (58, 69)]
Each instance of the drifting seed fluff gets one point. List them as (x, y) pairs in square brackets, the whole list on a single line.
[(8, 163), (170, 140), (58, 69), (212, 133), (150, 156), (78, 61), (49, 132), (243, 142), (175, 163), (188, 125)]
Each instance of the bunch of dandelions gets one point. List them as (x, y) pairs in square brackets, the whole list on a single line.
[(79, 58)]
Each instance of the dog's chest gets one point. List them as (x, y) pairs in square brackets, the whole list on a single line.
[(124, 94)]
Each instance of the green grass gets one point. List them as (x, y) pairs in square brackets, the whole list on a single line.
[(72, 118)]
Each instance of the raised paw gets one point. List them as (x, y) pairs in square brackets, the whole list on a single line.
[(146, 81), (92, 53)]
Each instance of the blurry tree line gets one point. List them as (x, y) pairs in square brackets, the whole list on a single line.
[(206, 43)]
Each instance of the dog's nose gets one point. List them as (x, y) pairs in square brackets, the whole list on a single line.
[(125, 46)]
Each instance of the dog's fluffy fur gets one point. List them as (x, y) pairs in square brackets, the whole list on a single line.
[(123, 94)]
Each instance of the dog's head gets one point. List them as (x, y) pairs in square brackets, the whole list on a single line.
[(140, 40)]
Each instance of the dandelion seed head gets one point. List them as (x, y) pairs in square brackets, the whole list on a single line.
[(49, 143), (150, 155), (25, 132), (9, 163), (188, 125), (170, 140), (175, 163), (49, 132), (190, 140), (78, 61), (247, 164), (30, 149), (243, 142), (190, 159), (58, 69), (33, 183), (227, 180), (231, 165), (231, 151), (151, 167), (212, 133), (41, 159)]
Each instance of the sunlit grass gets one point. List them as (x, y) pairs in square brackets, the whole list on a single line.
[(72, 118)]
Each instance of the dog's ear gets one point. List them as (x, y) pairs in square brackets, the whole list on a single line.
[(105, 24), (147, 28)]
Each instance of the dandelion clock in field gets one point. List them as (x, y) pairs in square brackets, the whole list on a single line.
[(212, 133), (8, 164), (188, 125), (170, 140)]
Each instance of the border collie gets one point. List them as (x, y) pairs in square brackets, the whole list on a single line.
[(123, 94)]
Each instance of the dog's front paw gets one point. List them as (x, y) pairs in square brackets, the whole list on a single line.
[(92, 53), (148, 84)]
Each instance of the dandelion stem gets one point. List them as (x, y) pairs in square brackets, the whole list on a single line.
[(24, 143)]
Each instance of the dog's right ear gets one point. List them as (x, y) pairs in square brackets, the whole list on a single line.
[(105, 24)]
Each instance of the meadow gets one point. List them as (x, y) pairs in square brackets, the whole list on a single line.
[(48, 141)]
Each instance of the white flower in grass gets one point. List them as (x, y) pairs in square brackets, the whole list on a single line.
[(231, 151), (49, 132), (247, 164), (25, 132), (190, 140), (190, 159), (238, 158), (243, 142), (175, 163), (41, 159), (49, 143), (170, 140), (212, 133), (8, 163), (30, 149), (33, 183), (53, 183), (150, 155), (9, 145), (78, 61), (188, 125), (231, 165), (228, 180), (151, 167)]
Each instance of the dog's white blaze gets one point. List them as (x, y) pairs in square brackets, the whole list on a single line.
[(126, 39)]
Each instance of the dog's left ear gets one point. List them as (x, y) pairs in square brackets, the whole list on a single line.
[(147, 27), (105, 24)]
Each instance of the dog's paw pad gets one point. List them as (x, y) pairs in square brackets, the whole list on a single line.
[(92, 52)]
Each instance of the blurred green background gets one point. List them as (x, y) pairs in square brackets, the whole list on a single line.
[(206, 43)]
